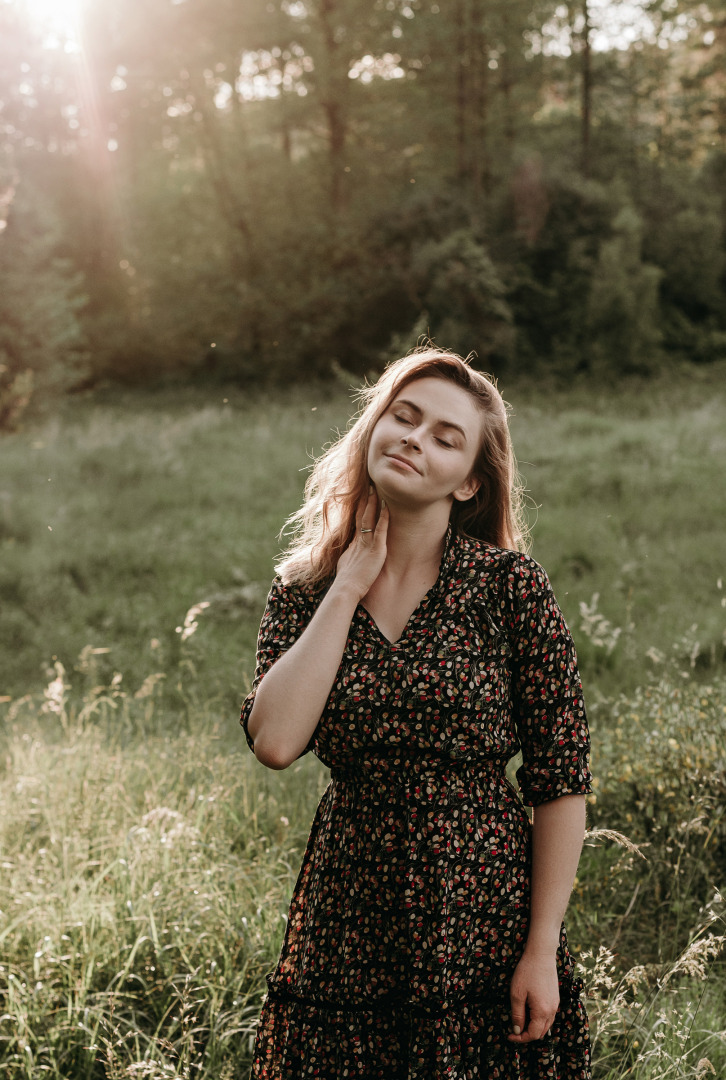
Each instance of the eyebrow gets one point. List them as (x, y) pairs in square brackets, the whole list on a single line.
[(439, 423)]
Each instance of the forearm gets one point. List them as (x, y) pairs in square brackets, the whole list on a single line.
[(292, 695), (557, 835)]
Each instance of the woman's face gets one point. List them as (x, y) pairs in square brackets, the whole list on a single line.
[(424, 446)]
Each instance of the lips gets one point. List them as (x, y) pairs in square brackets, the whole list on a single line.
[(402, 461)]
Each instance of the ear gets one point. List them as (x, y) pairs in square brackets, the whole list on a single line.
[(467, 489)]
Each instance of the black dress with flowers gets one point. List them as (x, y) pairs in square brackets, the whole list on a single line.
[(410, 911)]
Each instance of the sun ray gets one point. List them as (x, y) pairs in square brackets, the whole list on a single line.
[(61, 18)]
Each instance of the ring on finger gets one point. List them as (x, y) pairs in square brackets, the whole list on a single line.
[(366, 531)]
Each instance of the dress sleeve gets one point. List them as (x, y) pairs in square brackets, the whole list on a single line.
[(549, 711), (286, 615)]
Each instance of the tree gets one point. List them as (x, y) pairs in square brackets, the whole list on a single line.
[(42, 346), (623, 315)]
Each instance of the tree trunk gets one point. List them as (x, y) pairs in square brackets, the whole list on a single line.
[(480, 104), (243, 253), (334, 104), (586, 104), (462, 62), (506, 83), (337, 132)]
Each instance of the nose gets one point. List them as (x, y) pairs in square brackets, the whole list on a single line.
[(412, 440)]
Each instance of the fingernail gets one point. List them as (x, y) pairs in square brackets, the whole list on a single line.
[(383, 504), (517, 1029)]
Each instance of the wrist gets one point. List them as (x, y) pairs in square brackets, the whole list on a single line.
[(542, 946), (346, 591)]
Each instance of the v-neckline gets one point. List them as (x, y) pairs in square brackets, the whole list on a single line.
[(448, 542), (402, 635)]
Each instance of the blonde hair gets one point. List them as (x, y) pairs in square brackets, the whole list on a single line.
[(325, 524)]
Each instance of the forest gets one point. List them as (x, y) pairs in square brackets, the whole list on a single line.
[(264, 192)]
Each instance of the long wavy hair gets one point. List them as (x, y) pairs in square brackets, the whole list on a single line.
[(324, 526)]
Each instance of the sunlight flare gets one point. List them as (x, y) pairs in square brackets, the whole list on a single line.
[(56, 17)]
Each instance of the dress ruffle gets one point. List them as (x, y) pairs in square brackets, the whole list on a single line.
[(300, 1039)]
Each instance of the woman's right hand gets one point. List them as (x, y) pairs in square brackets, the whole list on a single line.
[(363, 559), (291, 697)]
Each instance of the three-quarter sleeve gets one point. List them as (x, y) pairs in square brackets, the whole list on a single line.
[(287, 613), (549, 711)]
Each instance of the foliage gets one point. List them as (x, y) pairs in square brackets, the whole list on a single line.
[(670, 800), (658, 1024), (461, 297), (248, 204), (560, 222), (622, 311), (42, 347)]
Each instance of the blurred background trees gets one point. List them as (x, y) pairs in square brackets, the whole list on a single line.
[(260, 190)]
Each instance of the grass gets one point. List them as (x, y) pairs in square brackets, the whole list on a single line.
[(146, 876), (145, 883), (122, 515), (147, 860)]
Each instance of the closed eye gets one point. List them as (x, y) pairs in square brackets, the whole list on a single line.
[(405, 420)]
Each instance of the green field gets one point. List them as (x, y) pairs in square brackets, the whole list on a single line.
[(147, 859), (119, 517)]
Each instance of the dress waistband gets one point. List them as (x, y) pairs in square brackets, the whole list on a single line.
[(406, 769)]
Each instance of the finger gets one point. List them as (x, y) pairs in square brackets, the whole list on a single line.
[(359, 512), (368, 517), (518, 1013), (381, 531), (536, 1029), (362, 508)]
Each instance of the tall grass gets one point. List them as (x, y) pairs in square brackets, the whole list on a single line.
[(146, 874), (145, 881), (146, 859)]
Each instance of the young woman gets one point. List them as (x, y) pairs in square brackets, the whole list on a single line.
[(411, 646)]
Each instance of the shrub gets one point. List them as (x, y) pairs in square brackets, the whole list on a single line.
[(42, 347), (622, 312)]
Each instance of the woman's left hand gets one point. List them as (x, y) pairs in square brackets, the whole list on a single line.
[(535, 996)]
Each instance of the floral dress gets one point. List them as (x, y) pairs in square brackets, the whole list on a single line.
[(411, 907)]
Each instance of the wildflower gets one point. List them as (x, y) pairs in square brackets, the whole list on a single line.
[(190, 620), (55, 691), (696, 960)]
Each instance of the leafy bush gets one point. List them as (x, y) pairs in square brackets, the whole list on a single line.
[(550, 271), (622, 313), (42, 346), (461, 296)]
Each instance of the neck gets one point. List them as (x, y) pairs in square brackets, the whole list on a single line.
[(415, 540)]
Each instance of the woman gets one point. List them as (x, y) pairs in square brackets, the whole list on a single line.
[(414, 649)]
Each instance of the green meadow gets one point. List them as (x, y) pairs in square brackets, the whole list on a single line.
[(146, 858)]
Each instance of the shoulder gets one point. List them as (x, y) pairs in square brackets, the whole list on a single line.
[(286, 595), (526, 574), (288, 610), (478, 559), (504, 579), (294, 596)]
